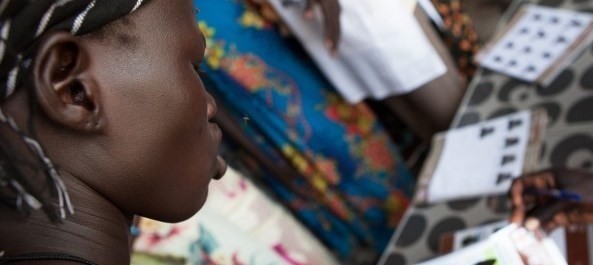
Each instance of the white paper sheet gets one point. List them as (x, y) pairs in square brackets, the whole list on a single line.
[(473, 235), (511, 245), (481, 159), (536, 42), (470, 236), (383, 51)]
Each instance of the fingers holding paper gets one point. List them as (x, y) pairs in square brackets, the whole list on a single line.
[(331, 14), (522, 200), (552, 198)]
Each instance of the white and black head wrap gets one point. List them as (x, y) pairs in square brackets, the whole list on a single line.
[(22, 24)]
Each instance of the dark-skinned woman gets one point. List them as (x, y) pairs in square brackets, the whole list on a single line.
[(103, 116)]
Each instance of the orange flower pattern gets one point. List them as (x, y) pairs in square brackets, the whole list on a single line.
[(351, 187)]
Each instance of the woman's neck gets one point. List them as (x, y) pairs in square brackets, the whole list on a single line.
[(98, 231)]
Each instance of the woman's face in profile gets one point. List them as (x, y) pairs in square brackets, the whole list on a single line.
[(162, 145)]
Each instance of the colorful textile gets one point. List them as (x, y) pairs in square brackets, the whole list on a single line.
[(237, 225), (459, 35), (361, 188)]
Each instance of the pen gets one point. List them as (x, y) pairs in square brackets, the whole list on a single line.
[(557, 194)]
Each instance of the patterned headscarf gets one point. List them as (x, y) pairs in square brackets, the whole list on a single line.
[(22, 24)]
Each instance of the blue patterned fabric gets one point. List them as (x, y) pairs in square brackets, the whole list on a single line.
[(292, 112)]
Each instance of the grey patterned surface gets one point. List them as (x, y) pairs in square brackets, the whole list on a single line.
[(568, 142)]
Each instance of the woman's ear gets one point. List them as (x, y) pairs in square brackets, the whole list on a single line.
[(65, 87)]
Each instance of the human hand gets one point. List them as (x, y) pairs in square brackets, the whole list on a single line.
[(537, 209), (331, 14)]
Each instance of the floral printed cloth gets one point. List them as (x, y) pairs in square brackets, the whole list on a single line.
[(459, 35), (361, 187), (238, 225)]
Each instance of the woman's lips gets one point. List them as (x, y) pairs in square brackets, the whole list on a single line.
[(222, 166), (216, 133)]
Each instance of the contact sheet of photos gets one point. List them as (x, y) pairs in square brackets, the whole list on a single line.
[(500, 150), (538, 43)]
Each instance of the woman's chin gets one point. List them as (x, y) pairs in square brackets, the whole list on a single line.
[(179, 213)]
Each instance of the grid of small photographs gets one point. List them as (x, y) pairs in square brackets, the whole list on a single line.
[(538, 40)]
